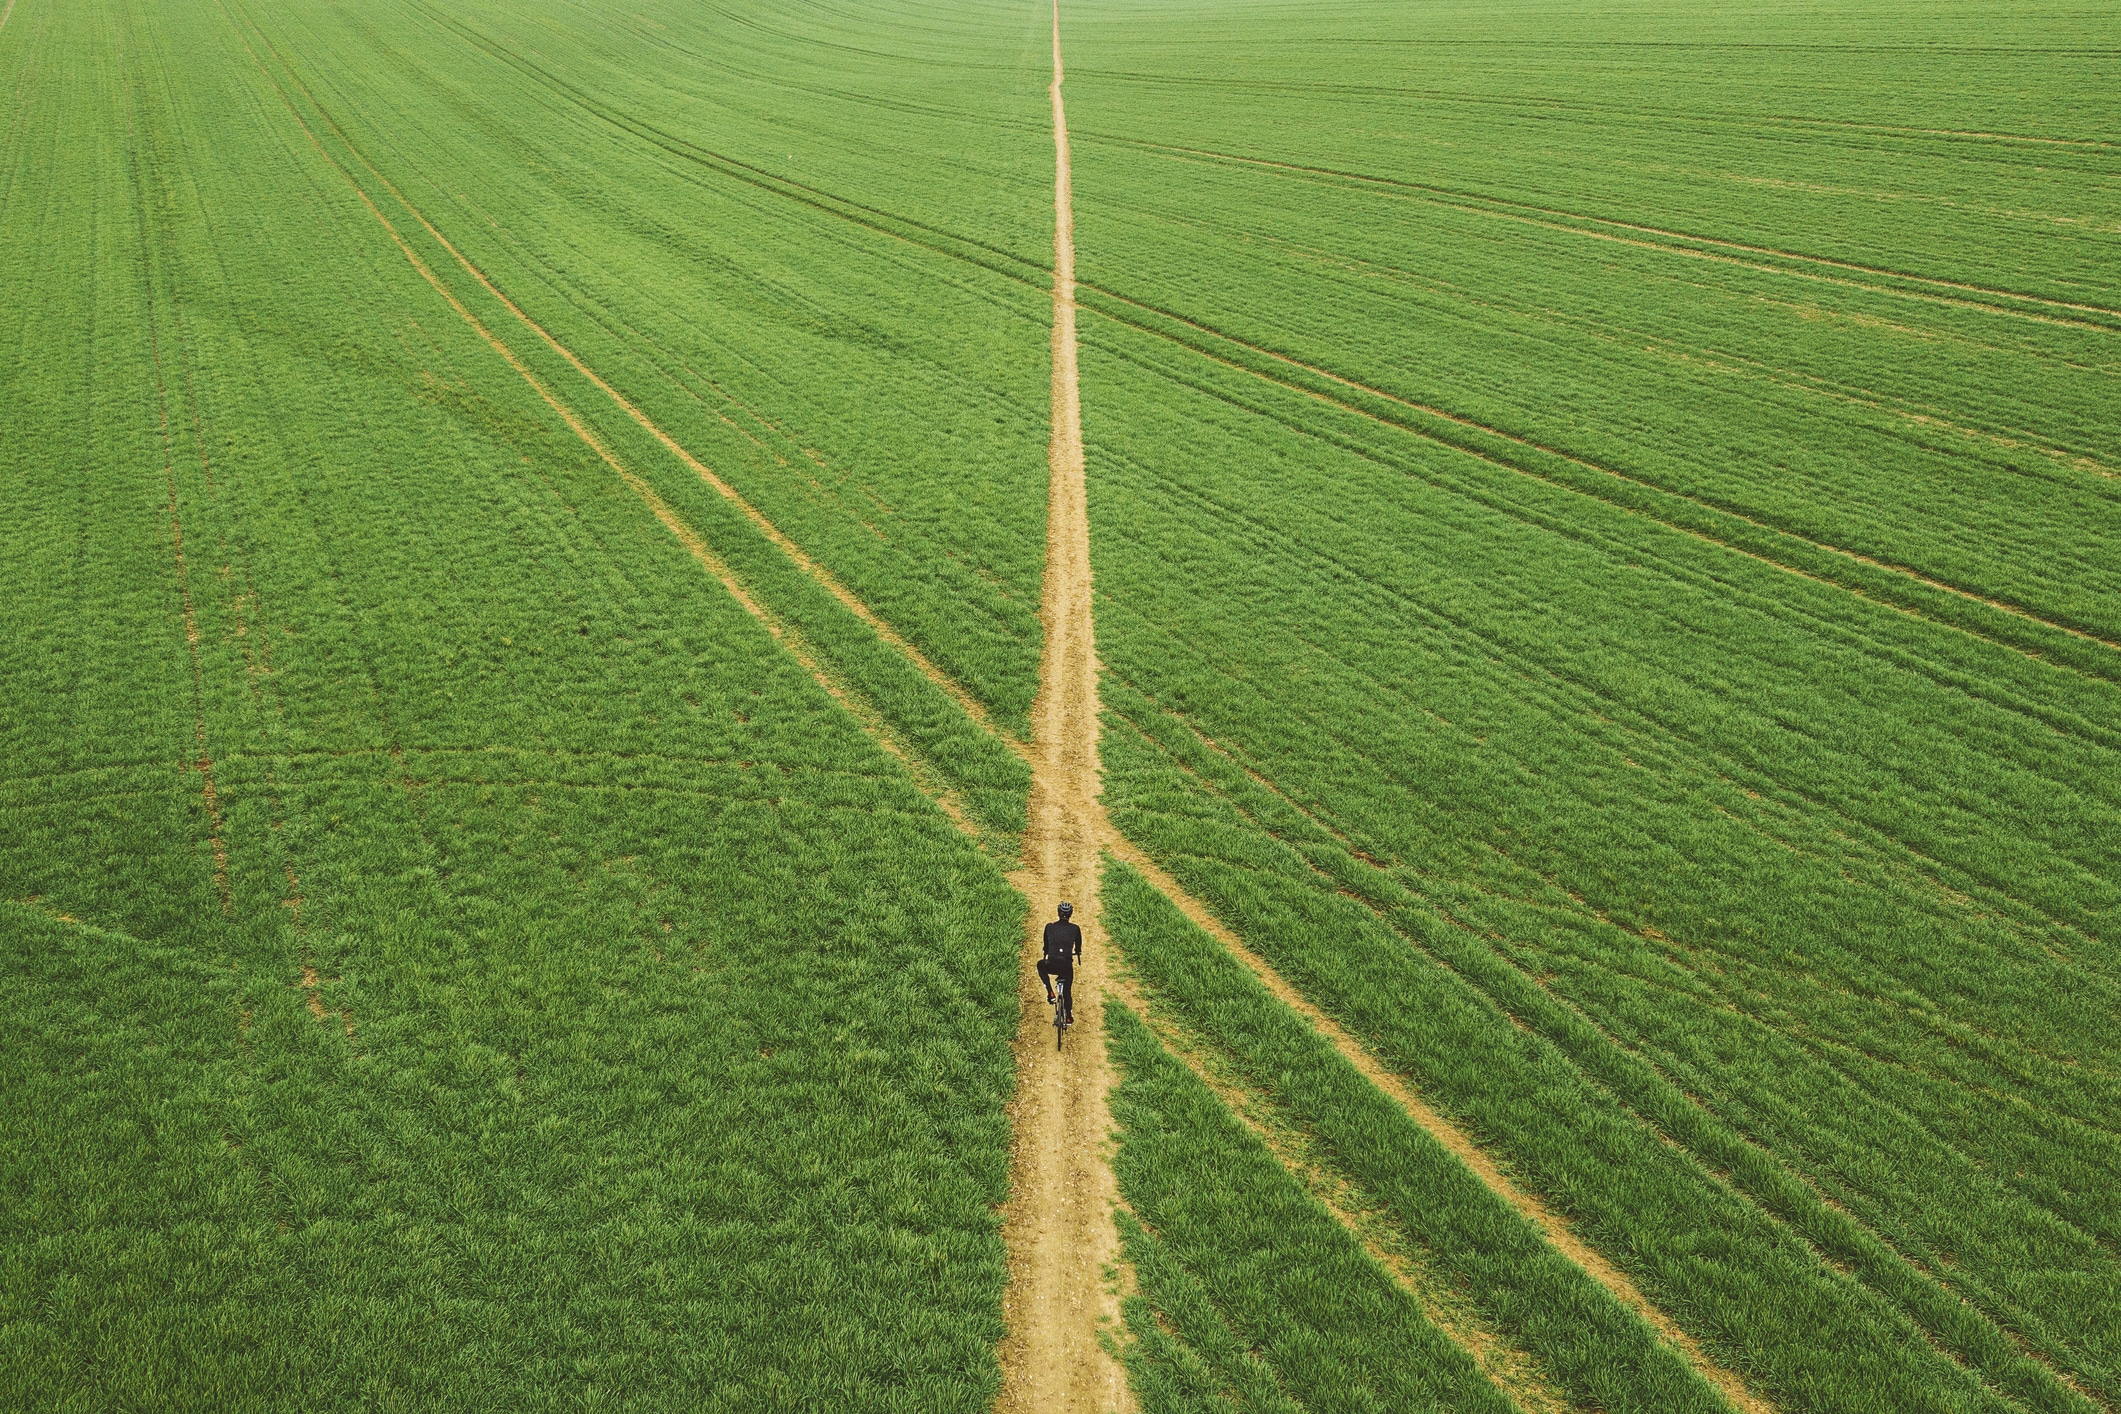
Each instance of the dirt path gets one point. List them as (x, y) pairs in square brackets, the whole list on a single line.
[(1059, 1226)]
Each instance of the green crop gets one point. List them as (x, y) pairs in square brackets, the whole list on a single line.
[(456, 956), (525, 527), (1243, 1262), (1605, 530), (1590, 1346)]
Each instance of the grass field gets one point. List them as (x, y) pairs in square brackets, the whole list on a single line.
[(525, 538), (563, 998), (1607, 586)]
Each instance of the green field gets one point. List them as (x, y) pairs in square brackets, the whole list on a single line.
[(523, 544)]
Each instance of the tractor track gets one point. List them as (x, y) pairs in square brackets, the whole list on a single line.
[(686, 535)]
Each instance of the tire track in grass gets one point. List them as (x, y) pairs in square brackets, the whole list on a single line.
[(724, 406), (1788, 1197), (1059, 1223), (1483, 430), (971, 705), (1504, 208), (925, 775), (782, 632), (1552, 1226), (1514, 1372)]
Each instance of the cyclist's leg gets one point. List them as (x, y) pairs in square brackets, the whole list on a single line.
[(1067, 994), (1045, 977)]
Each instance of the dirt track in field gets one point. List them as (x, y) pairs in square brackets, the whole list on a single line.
[(1062, 1241), (1510, 1369), (1552, 1226), (1059, 1226), (1062, 1300)]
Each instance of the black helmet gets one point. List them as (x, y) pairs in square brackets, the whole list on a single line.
[(1066, 909)]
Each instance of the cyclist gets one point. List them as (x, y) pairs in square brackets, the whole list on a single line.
[(1064, 944)]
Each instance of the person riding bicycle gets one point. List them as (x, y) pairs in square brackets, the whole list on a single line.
[(1064, 944)]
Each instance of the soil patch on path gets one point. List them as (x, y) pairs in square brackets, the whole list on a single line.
[(1059, 1227)]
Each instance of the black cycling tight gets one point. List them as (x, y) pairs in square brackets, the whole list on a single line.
[(1049, 972)]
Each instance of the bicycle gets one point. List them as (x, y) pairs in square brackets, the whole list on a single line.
[(1063, 1009)]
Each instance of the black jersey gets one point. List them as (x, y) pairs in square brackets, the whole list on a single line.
[(1064, 942)]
